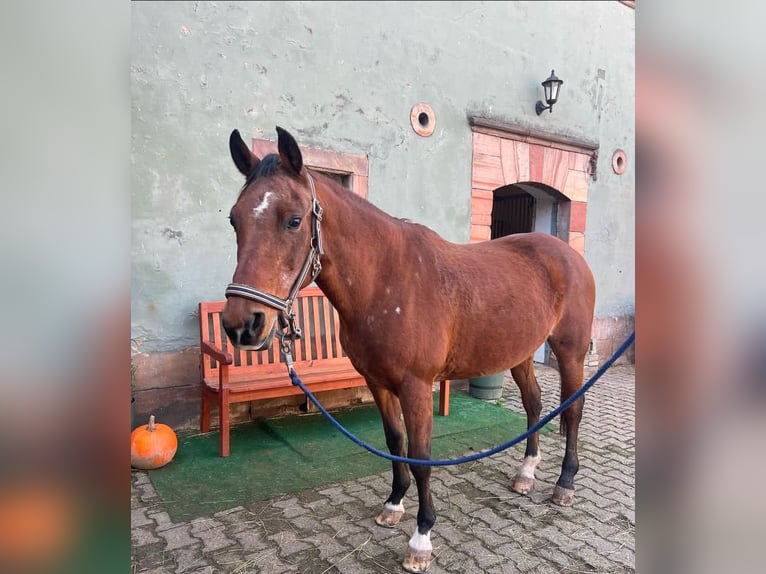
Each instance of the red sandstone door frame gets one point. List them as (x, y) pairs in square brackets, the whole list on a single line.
[(505, 155)]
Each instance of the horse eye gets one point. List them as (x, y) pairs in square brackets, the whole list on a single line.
[(294, 223)]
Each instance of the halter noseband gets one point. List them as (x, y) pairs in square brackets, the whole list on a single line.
[(287, 323)]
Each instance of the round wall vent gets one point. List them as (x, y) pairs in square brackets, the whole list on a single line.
[(619, 162), (423, 119)]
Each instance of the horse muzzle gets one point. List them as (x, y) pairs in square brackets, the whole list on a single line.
[(250, 336)]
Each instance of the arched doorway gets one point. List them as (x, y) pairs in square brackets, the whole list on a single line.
[(528, 206), (513, 211)]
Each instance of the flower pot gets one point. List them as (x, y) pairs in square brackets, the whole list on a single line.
[(488, 387)]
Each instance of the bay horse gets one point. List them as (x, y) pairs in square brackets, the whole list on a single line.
[(414, 308)]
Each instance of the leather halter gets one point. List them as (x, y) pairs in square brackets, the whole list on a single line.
[(287, 323)]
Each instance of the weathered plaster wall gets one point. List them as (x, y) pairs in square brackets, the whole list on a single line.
[(344, 76)]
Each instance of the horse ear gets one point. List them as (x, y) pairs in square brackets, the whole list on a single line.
[(289, 154), (243, 158)]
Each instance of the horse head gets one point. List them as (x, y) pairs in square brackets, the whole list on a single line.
[(272, 219)]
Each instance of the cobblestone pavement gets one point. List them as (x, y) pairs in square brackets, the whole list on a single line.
[(482, 526)]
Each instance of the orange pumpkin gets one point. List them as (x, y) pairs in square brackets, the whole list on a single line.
[(152, 445)]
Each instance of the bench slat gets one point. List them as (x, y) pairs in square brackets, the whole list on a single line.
[(300, 346), (336, 329), (279, 377), (219, 340), (316, 322), (327, 333)]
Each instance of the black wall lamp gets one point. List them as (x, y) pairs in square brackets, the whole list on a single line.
[(551, 87)]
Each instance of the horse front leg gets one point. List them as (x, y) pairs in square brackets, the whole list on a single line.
[(417, 406), (391, 412), (524, 375)]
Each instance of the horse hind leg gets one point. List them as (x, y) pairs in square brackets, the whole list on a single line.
[(570, 356), (524, 375), (390, 409)]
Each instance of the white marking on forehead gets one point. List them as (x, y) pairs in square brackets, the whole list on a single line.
[(398, 311), (261, 207)]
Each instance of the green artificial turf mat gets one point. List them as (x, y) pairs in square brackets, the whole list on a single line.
[(274, 457)]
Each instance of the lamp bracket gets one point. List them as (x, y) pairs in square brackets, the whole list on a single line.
[(540, 107)]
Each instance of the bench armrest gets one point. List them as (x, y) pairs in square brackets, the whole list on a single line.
[(216, 353)]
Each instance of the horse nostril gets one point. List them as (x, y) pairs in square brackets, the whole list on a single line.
[(231, 332), (255, 323)]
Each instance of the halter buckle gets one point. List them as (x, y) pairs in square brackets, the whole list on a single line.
[(288, 326), (295, 330), (286, 347), (317, 209)]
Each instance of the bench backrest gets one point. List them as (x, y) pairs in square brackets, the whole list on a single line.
[(317, 319)]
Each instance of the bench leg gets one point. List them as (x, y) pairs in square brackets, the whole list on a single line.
[(223, 410), (204, 421), (444, 398)]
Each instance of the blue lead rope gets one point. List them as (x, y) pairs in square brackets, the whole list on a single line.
[(476, 456)]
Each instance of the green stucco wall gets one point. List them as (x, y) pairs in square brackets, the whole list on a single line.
[(344, 76)]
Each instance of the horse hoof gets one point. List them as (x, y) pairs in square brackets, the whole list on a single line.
[(562, 496), (390, 515), (523, 484), (416, 560)]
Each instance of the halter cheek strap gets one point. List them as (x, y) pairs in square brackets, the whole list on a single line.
[(287, 322)]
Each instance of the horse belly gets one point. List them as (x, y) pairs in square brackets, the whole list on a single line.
[(498, 342), (385, 358)]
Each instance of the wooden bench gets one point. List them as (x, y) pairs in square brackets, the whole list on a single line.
[(231, 376)]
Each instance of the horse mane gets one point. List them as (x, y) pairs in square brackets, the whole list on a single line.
[(267, 166)]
